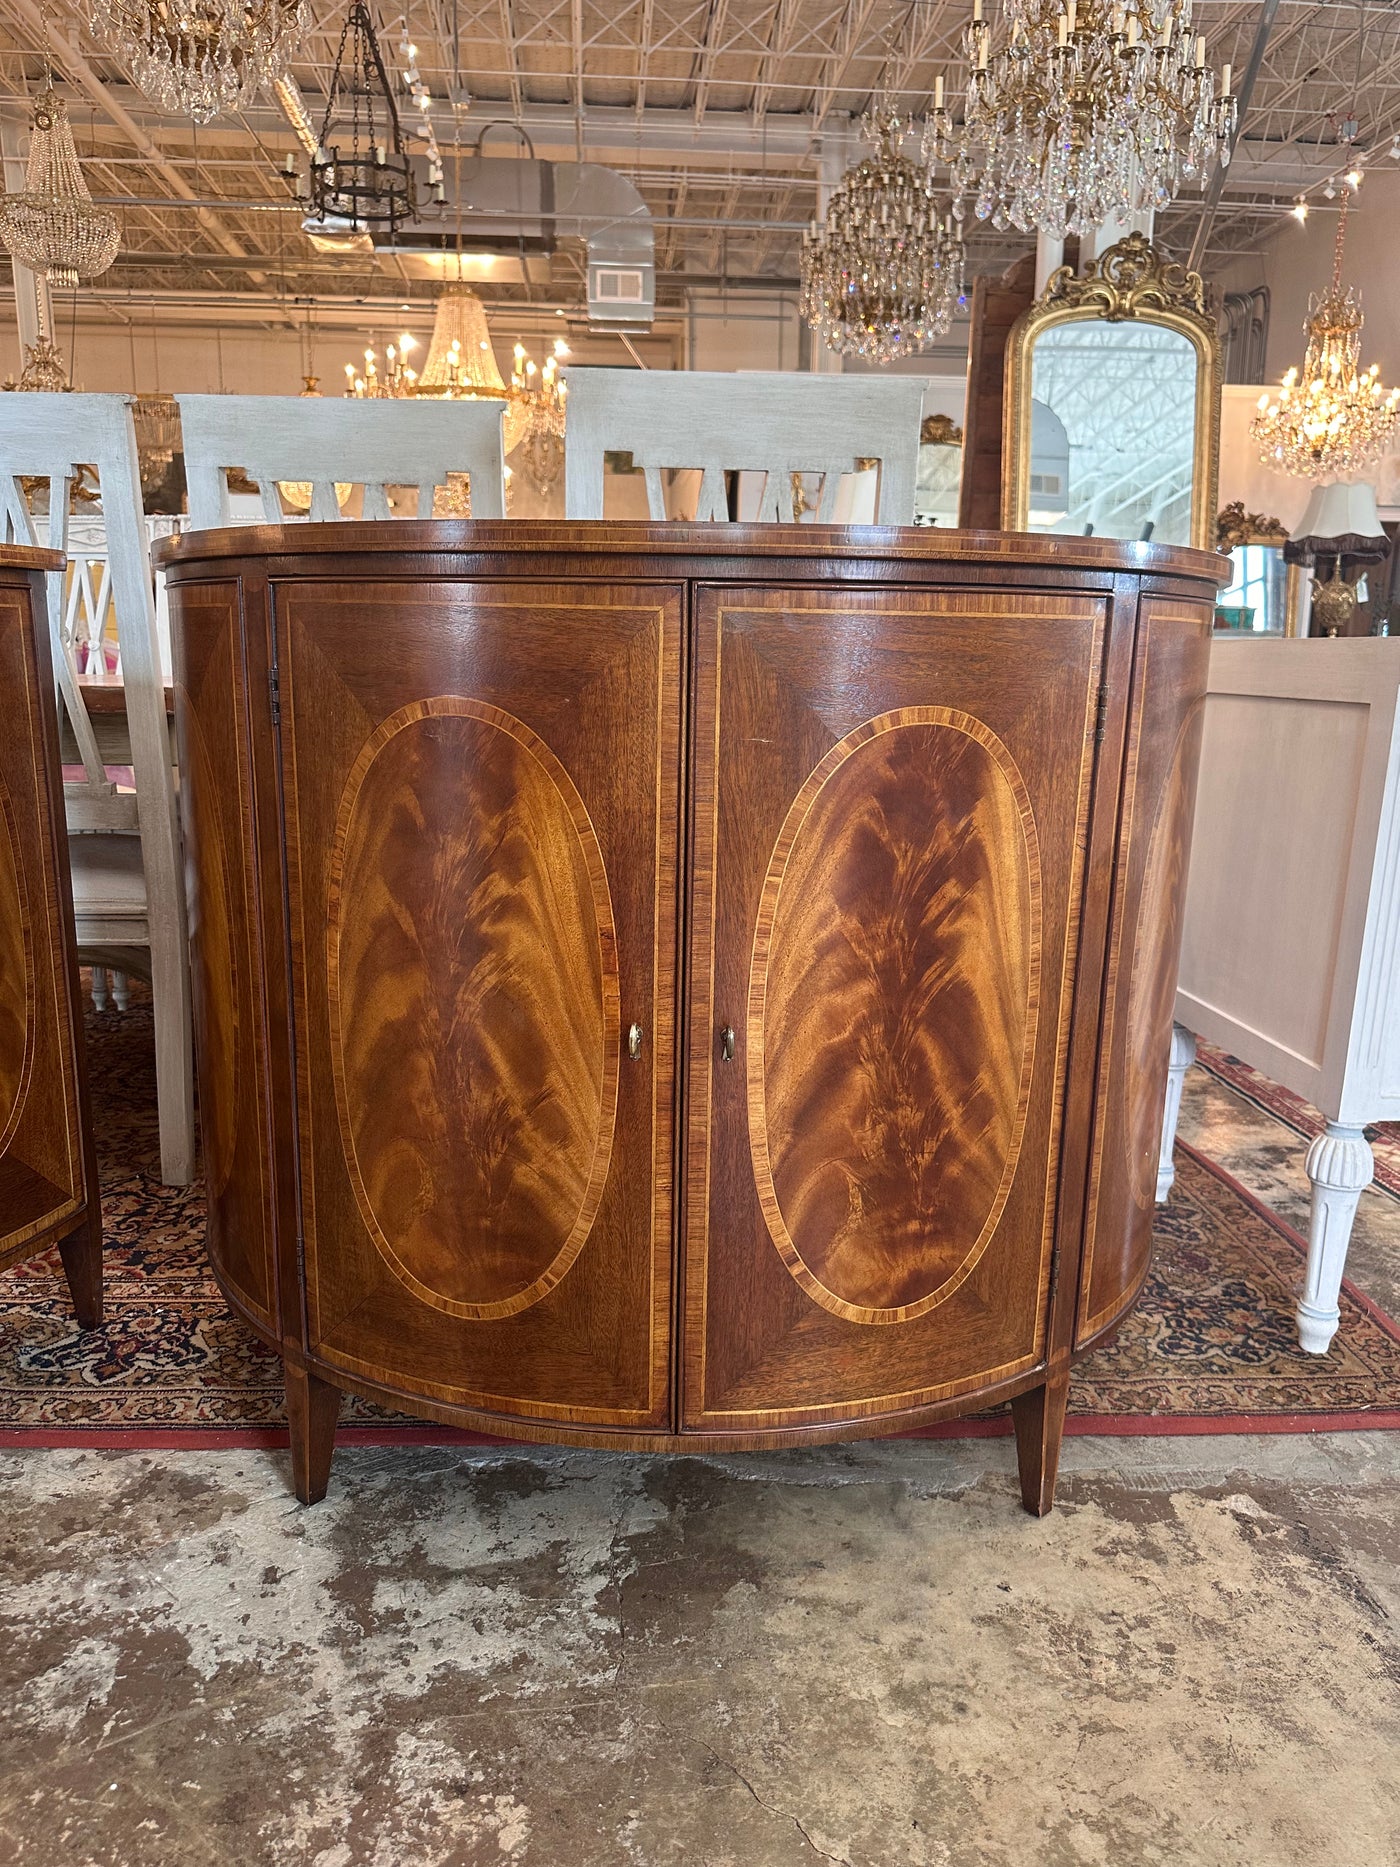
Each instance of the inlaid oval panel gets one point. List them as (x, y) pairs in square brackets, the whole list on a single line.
[(893, 1003), (16, 981), (209, 894), (474, 1006), (1152, 983)]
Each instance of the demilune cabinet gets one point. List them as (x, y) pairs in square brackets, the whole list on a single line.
[(677, 987)]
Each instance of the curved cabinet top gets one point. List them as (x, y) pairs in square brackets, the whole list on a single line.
[(299, 546)]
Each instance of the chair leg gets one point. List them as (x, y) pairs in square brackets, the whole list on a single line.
[(81, 1252), (1039, 1416), (313, 1409), (170, 998)]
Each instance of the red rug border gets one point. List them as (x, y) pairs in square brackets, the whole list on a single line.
[(1082, 1425)]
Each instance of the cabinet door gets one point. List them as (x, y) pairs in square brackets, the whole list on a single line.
[(481, 824), (891, 796), (1149, 894), (45, 1171)]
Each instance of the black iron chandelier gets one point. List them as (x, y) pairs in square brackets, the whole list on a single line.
[(360, 174)]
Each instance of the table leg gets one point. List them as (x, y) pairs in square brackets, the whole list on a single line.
[(1340, 1166), (313, 1409), (1039, 1417), (81, 1252), (1183, 1055)]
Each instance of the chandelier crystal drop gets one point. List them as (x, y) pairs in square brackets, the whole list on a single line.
[(1335, 419), (1082, 110), (199, 58), (883, 271), (53, 226)]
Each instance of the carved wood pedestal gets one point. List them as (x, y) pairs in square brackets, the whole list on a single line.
[(677, 988), (48, 1172)]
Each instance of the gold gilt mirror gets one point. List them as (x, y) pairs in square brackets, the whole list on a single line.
[(1112, 404)]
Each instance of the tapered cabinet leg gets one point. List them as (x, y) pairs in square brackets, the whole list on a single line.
[(1340, 1166), (313, 1408), (81, 1252), (1183, 1055), (1039, 1417)]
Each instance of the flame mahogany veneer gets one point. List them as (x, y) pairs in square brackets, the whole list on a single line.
[(683, 987)]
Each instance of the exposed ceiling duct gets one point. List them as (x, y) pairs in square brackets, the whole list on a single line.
[(502, 217)]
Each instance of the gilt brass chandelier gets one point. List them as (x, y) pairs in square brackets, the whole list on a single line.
[(1083, 110), (197, 58), (461, 366), (52, 226), (883, 271), (1336, 418)]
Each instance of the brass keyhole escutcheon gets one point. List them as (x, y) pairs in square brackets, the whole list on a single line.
[(634, 1041), (726, 1044)]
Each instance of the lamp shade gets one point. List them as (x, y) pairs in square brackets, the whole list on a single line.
[(1340, 521)]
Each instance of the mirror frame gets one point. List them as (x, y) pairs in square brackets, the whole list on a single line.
[(1130, 280)]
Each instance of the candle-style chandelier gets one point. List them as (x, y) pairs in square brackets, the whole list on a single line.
[(883, 271), (365, 182), (541, 395), (52, 226), (1336, 418), (1083, 110), (461, 366), (201, 57)]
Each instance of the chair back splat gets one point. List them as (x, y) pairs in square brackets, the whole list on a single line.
[(308, 440), (773, 423)]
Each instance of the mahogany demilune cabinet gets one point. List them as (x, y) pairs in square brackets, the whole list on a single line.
[(681, 987)]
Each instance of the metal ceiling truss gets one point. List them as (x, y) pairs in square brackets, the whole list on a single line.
[(719, 110)]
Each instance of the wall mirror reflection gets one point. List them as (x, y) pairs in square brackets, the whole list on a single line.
[(1112, 404)]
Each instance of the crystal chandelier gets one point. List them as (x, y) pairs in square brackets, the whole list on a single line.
[(368, 184), (1338, 418), (53, 227), (1085, 110), (540, 396), (201, 57), (882, 272), (156, 419), (461, 366)]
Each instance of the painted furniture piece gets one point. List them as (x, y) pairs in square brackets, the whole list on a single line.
[(1291, 952), (128, 889), (683, 986), (772, 423), (320, 441), (48, 1172)]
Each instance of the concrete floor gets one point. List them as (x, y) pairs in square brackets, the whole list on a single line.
[(866, 1655)]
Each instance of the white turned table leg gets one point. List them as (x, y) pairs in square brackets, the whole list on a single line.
[(1183, 1055), (99, 988), (1340, 1166)]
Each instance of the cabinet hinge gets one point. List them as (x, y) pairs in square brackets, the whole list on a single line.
[(1054, 1274), (1101, 718), (274, 688)]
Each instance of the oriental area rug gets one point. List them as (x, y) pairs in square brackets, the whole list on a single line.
[(1209, 1349)]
